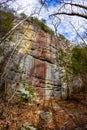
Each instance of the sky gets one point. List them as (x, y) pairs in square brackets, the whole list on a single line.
[(33, 7)]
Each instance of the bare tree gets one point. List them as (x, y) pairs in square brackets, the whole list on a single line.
[(4, 2), (70, 9), (72, 13), (62, 10)]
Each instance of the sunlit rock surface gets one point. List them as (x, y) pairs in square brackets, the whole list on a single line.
[(31, 59)]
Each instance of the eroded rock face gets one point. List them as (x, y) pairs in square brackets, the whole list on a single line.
[(31, 58)]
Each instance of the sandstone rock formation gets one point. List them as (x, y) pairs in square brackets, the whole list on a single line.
[(31, 59)]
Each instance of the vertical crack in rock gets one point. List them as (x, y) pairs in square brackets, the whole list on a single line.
[(33, 60)]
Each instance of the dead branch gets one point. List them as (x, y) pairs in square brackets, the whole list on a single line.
[(77, 5), (71, 14)]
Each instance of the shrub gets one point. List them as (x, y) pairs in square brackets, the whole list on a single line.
[(42, 25), (6, 19), (26, 93), (64, 39), (23, 15)]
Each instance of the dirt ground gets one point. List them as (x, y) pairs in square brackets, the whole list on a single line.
[(66, 115)]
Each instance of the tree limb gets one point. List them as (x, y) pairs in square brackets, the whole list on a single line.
[(1, 3), (71, 14), (77, 5)]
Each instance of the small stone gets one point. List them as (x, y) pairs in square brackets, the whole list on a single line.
[(39, 112), (15, 119), (46, 116), (27, 126)]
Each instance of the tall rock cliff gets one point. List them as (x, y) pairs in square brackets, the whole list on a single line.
[(29, 57)]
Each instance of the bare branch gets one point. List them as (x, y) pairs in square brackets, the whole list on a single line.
[(1, 3), (71, 14), (78, 34), (77, 5)]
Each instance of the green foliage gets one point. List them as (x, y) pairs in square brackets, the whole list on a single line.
[(64, 39), (79, 59), (23, 15), (6, 19), (79, 65), (26, 93), (42, 25), (63, 60), (61, 36), (39, 23), (62, 56), (74, 64), (43, 20), (30, 89)]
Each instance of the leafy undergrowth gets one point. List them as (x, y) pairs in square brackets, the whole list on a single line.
[(66, 115)]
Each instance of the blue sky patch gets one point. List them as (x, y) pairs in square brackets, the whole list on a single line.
[(52, 3)]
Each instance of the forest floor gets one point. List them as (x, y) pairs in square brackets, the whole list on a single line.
[(66, 115)]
